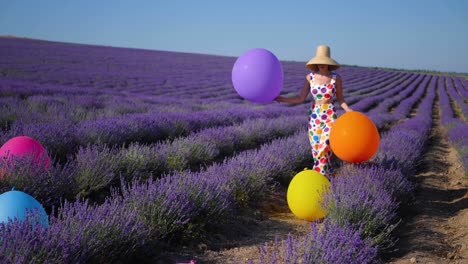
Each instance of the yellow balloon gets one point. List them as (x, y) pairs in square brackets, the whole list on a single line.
[(305, 195)]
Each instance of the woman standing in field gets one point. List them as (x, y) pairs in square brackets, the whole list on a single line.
[(324, 85)]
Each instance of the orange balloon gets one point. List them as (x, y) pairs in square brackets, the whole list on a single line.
[(354, 137)]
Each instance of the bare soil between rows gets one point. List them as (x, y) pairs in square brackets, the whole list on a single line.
[(239, 240), (435, 226)]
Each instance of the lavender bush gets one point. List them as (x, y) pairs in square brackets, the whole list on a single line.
[(361, 200), (454, 126), (50, 185), (81, 233), (328, 242)]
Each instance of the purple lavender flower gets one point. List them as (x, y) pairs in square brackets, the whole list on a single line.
[(328, 242)]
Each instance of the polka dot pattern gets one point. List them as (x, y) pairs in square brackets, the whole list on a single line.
[(321, 119)]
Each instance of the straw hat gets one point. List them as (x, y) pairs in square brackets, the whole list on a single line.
[(322, 57)]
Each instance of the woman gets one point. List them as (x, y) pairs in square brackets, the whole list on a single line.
[(324, 85)]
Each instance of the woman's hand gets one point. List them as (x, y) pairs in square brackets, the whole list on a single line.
[(279, 99), (345, 107)]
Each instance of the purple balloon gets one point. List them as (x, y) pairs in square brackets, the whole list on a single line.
[(257, 76)]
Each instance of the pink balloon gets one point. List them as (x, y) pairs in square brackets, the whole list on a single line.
[(21, 146)]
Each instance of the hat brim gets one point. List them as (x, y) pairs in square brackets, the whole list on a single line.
[(332, 64)]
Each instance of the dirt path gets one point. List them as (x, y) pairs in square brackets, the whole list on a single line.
[(239, 241), (276, 220), (435, 227)]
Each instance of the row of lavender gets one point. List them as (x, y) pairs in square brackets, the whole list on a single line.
[(455, 87), (175, 206), (60, 109), (96, 167), (31, 102), (116, 130), (364, 200), (144, 72), (62, 138), (145, 213), (455, 123), (76, 119)]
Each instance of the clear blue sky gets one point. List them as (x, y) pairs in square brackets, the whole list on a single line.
[(408, 34)]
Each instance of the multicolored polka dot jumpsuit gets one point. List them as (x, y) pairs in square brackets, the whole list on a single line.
[(321, 118)]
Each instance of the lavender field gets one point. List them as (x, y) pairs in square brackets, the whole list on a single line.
[(154, 150)]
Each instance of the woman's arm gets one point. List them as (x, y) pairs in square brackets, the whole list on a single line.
[(298, 99), (339, 94)]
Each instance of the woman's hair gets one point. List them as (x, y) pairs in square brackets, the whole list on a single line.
[(330, 67)]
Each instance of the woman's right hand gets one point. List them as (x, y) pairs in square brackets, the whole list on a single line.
[(279, 99)]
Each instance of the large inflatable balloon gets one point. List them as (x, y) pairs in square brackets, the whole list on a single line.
[(13, 204), (257, 76), (354, 137), (24, 146), (305, 195)]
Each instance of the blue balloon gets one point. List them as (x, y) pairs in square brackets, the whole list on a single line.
[(13, 204), (257, 76)]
